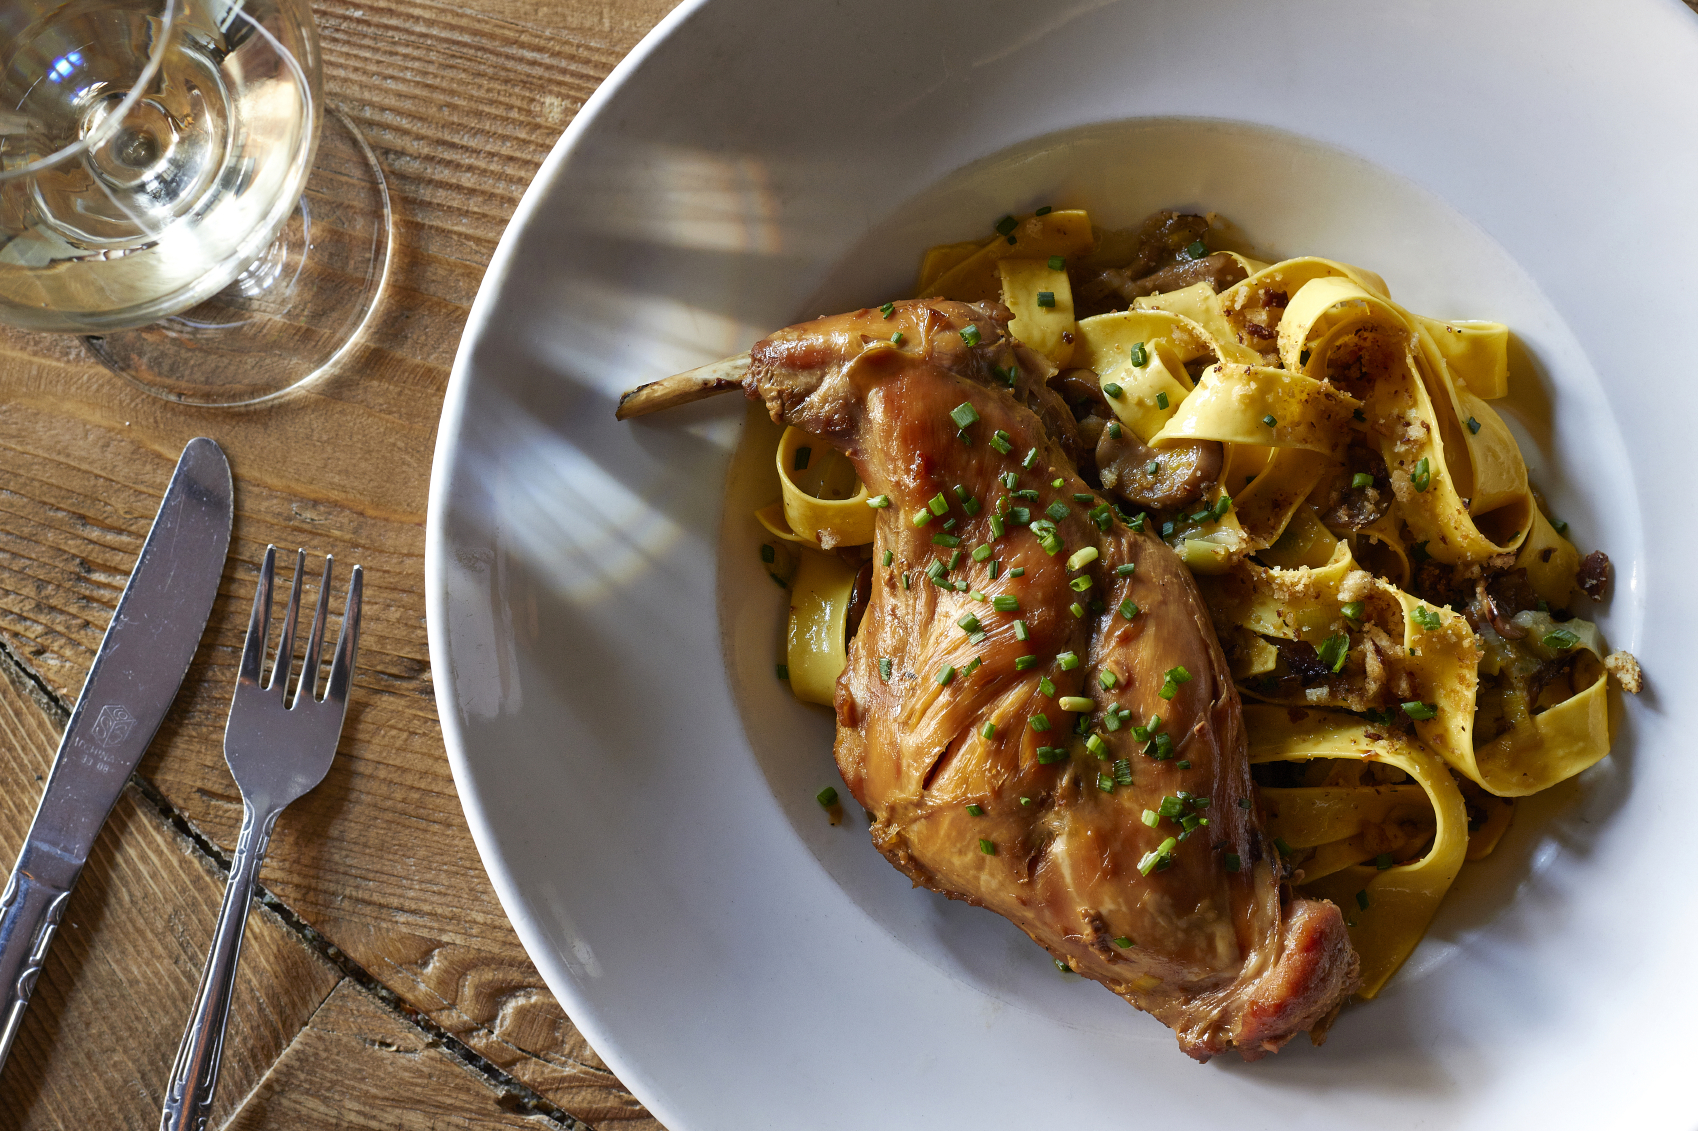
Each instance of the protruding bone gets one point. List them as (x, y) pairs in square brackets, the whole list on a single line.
[(682, 388)]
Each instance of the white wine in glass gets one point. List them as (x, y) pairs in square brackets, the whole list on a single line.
[(153, 153)]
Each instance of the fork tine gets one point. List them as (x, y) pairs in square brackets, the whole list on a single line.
[(315, 640), (259, 624), (347, 643), (285, 661)]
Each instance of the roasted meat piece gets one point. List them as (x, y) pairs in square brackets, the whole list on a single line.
[(959, 713)]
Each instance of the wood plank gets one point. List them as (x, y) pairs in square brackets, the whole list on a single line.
[(462, 102), (357, 1066), (98, 1041)]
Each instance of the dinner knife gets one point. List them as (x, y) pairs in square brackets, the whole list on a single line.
[(141, 663)]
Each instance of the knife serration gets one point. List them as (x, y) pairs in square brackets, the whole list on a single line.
[(141, 662)]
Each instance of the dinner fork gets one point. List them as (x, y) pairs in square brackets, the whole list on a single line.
[(277, 748)]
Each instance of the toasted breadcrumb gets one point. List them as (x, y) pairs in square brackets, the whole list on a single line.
[(1625, 668)]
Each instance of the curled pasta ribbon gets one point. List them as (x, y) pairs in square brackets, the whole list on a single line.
[(816, 645), (1386, 910), (1476, 352), (1551, 562), (1047, 327), (1549, 747), (1233, 403), (824, 504), (1451, 457), (1199, 304), (975, 278)]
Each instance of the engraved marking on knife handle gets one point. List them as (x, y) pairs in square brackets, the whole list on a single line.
[(29, 914)]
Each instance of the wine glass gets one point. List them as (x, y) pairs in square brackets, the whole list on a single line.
[(159, 193)]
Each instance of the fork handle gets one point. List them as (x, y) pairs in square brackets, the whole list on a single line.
[(188, 1096)]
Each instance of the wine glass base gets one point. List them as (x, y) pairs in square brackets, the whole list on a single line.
[(295, 312)]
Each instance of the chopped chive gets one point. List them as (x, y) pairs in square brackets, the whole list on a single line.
[(1056, 263), (1017, 571), (1021, 632), (887, 309), (1473, 426), (783, 670), (1124, 942), (827, 797), (884, 666), (1140, 355), (1051, 544), (1161, 400), (964, 414), (942, 539), (1002, 442), (1025, 663), (1197, 250), (1005, 603), (879, 502), (1244, 803), (1057, 483), (998, 529), (1111, 390), (1081, 583), (1150, 817), (1068, 661), (1126, 569), (768, 554), (1077, 610), (1076, 703), (967, 622), (989, 731), (1046, 298), (1044, 211), (1352, 610), (1361, 479), (935, 571), (1152, 467), (1166, 529), (1094, 743), (1284, 849), (987, 847), (1422, 475), (975, 811), (1168, 690), (1178, 674), (1045, 687), (1333, 651), (896, 338), (904, 581), (1057, 511), (1137, 524), (1382, 861), (1184, 765), (1362, 900), (889, 557), (1232, 862), (1160, 857), (955, 558), (970, 335), (1425, 617), (1421, 711), (1025, 801), (938, 504), (1122, 771), (977, 596), (1114, 429), (1108, 680), (945, 674), (1081, 497), (1030, 460), (1050, 754), (1005, 225), (1008, 479), (974, 665), (1105, 782), (981, 553), (1559, 526), (1561, 639), (995, 568), (1082, 558), (1222, 505), (1418, 552), (961, 587), (923, 516), (1269, 420), (1039, 722), (1128, 608)]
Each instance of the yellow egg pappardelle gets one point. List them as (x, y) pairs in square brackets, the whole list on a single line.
[(1371, 522)]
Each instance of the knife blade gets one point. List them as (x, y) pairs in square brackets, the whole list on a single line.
[(141, 662)]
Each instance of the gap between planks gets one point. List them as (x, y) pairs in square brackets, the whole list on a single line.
[(512, 1095)]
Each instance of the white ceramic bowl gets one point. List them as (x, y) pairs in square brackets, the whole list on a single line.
[(640, 786)]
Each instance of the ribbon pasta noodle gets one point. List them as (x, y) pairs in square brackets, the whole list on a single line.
[(1393, 601)]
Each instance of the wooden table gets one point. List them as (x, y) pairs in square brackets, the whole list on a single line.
[(382, 985)]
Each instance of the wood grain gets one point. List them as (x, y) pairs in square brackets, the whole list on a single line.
[(121, 976), (375, 868)]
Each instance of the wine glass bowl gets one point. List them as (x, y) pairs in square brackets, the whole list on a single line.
[(155, 152)]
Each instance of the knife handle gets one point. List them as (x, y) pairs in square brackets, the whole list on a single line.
[(30, 911)]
